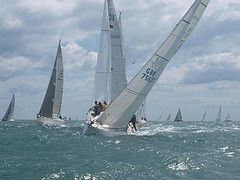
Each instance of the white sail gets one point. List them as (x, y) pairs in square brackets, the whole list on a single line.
[(204, 115), (122, 109), (219, 114), (169, 117), (178, 116), (110, 78), (10, 110), (228, 118), (53, 98)]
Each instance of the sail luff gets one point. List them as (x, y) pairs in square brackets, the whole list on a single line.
[(122, 109)]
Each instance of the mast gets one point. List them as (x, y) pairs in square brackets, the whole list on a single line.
[(53, 97), (122, 109)]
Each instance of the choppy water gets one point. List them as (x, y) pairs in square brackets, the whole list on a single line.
[(160, 150)]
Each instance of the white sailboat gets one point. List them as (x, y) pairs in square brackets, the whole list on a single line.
[(219, 114), (228, 118), (204, 115), (169, 117), (121, 110), (178, 117), (10, 110), (49, 113), (110, 78)]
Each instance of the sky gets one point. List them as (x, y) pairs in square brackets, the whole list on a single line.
[(203, 74)]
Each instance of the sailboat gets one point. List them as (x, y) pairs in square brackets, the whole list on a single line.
[(110, 77), (228, 118), (219, 114), (49, 113), (10, 110), (178, 117), (169, 117), (122, 109), (204, 115), (160, 117)]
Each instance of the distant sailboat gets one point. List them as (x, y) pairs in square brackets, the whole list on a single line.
[(169, 117), (121, 110), (228, 118), (219, 114), (10, 110), (204, 115), (49, 113), (178, 117), (160, 117)]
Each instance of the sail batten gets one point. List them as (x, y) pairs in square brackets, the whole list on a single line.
[(122, 109)]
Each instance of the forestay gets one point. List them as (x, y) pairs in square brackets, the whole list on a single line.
[(53, 98), (121, 110), (110, 78)]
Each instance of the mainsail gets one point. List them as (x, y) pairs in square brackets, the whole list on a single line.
[(110, 78), (10, 110), (53, 98), (178, 116), (122, 109), (219, 114)]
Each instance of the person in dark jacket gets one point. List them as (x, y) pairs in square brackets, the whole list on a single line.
[(99, 108), (133, 122)]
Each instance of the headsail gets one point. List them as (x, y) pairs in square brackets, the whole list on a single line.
[(219, 114), (122, 109), (110, 78), (10, 110), (53, 98)]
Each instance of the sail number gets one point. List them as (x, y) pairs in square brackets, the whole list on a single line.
[(148, 75), (111, 17)]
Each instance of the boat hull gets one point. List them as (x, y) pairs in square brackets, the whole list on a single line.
[(49, 121)]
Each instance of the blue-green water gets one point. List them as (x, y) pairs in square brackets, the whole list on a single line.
[(160, 150)]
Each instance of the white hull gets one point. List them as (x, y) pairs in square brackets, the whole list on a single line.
[(12, 119), (50, 121), (96, 128)]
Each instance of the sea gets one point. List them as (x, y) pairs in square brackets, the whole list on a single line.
[(159, 150)]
